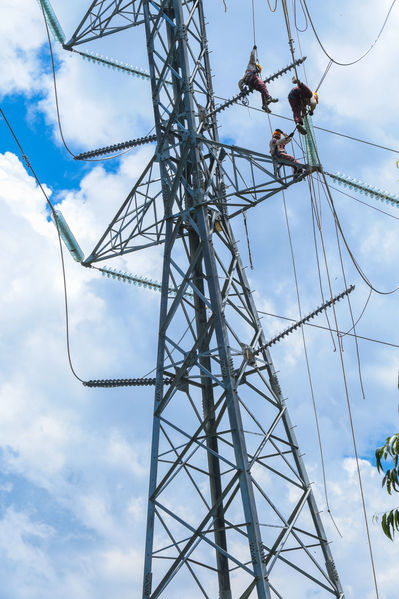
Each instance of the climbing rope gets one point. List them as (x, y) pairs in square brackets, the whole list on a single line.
[(253, 22)]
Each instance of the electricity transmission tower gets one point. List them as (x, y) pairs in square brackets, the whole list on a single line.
[(231, 513)]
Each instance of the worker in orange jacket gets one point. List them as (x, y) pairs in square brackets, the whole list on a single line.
[(277, 149)]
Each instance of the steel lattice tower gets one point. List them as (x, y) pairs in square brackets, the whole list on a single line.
[(231, 512)]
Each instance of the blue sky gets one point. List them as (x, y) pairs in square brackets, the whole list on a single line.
[(74, 461)]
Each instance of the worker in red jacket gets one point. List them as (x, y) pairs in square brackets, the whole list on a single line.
[(301, 98), (277, 149), (253, 81)]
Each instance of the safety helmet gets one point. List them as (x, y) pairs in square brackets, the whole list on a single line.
[(316, 95), (277, 133), (259, 68)]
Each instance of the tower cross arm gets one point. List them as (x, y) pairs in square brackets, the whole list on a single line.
[(105, 18)]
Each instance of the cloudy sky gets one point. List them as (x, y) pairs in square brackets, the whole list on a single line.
[(74, 461)]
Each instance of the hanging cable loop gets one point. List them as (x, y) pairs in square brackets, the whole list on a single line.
[(348, 64)]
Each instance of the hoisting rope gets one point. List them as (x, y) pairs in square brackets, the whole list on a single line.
[(290, 40), (315, 410), (349, 408), (348, 402), (253, 24)]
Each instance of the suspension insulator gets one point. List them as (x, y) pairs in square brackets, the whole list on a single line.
[(67, 236), (140, 281), (116, 147), (52, 21), (138, 382), (357, 185)]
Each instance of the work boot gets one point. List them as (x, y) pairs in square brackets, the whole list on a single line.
[(266, 108), (271, 100), (301, 129), (295, 80)]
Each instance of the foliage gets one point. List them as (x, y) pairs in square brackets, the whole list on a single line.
[(389, 452)]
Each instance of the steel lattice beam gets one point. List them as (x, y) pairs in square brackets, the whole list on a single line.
[(224, 455), (249, 179), (105, 17)]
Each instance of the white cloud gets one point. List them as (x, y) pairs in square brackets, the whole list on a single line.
[(21, 35), (87, 450)]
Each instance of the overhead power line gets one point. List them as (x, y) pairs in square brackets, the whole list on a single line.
[(319, 326), (286, 118)]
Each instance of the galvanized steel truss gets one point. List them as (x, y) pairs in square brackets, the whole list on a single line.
[(230, 511)]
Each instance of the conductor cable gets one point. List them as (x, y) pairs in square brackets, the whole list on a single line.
[(30, 167)]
